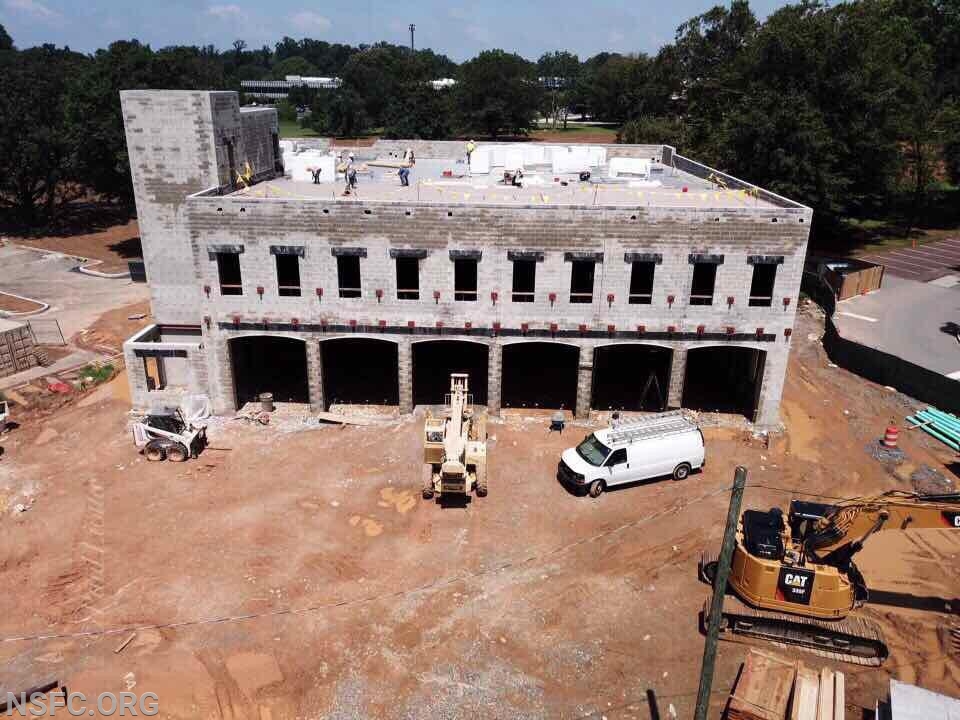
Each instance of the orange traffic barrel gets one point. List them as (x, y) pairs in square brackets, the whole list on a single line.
[(891, 436)]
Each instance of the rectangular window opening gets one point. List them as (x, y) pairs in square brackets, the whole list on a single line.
[(581, 281), (408, 278), (348, 276), (761, 288), (228, 270), (641, 283), (465, 280), (288, 275), (524, 280), (156, 377), (704, 279)]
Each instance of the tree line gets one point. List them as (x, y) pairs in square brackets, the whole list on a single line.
[(851, 108)]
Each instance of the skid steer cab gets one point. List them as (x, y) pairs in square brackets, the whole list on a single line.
[(167, 436)]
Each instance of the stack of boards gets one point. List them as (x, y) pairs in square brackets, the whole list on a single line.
[(771, 688)]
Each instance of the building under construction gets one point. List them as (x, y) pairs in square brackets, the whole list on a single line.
[(608, 277)]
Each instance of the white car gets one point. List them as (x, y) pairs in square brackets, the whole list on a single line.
[(648, 447)]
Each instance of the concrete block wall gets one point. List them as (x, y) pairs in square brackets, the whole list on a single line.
[(188, 354), (258, 223), (16, 348), (177, 143), (258, 127)]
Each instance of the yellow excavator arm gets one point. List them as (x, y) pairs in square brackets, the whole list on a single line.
[(848, 526)]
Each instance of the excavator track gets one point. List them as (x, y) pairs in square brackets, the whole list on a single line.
[(853, 640)]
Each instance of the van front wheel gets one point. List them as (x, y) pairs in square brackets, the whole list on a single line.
[(681, 471), (596, 488)]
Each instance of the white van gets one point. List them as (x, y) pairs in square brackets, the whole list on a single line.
[(653, 446)]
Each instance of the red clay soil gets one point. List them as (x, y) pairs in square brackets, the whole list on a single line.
[(11, 303), (114, 246), (110, 330), (366, 601)]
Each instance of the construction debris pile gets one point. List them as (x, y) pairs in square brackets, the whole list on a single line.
[(771, 688)]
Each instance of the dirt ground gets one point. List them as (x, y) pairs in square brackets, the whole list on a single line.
[(298, 574), (112, 246), (12, 303), (110, 330)]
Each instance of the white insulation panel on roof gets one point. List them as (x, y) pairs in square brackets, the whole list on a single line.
[(629, 166), (909, 702), (302, 165), (480, 161)]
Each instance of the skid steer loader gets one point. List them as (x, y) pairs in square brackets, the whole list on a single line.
[(168, 436)]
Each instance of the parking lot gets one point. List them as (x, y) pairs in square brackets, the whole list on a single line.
[(76, 300), (922, 263)]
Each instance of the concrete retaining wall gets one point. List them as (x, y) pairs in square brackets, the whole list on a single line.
[(16, 348)]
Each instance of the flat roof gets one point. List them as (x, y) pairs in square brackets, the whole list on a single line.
[(667, 187)]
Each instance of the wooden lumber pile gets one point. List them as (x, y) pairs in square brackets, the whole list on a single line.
[(771, 688), (763, 689)]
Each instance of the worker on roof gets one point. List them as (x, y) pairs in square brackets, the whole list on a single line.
[(471, 146)]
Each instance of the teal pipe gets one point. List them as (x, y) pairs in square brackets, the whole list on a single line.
[(934, 429), (944, 423), (930, 430), (947, 418)]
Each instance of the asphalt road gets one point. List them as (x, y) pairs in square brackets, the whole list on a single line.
[(908, 319)]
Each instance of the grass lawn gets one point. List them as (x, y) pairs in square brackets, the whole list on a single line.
[(577, 133), (292, 129)]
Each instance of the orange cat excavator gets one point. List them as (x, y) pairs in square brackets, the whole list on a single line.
[(793, 579)]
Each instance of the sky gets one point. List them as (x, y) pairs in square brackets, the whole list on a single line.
[(459, 30)]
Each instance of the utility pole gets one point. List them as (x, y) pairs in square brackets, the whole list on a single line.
[(412, 28), (719, 590)]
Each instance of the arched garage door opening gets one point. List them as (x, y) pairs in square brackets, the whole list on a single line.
[(434, 360), (724, 379), (275, 365), (631, 377), (540, 375), (359, 371)]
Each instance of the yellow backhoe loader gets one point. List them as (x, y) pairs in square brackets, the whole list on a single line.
[(793, 579), (455, 447)]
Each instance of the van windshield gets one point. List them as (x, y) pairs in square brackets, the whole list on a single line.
[(592, 450)]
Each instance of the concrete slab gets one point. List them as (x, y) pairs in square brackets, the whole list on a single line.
[(75, 300), (541, 186), (906, 318)]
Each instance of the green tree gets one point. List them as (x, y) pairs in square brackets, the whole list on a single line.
[(560, 70), (419, 111), (497, 93), (293, 66), (36, 155), (6, 42), (339, 112), (654, 130)]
